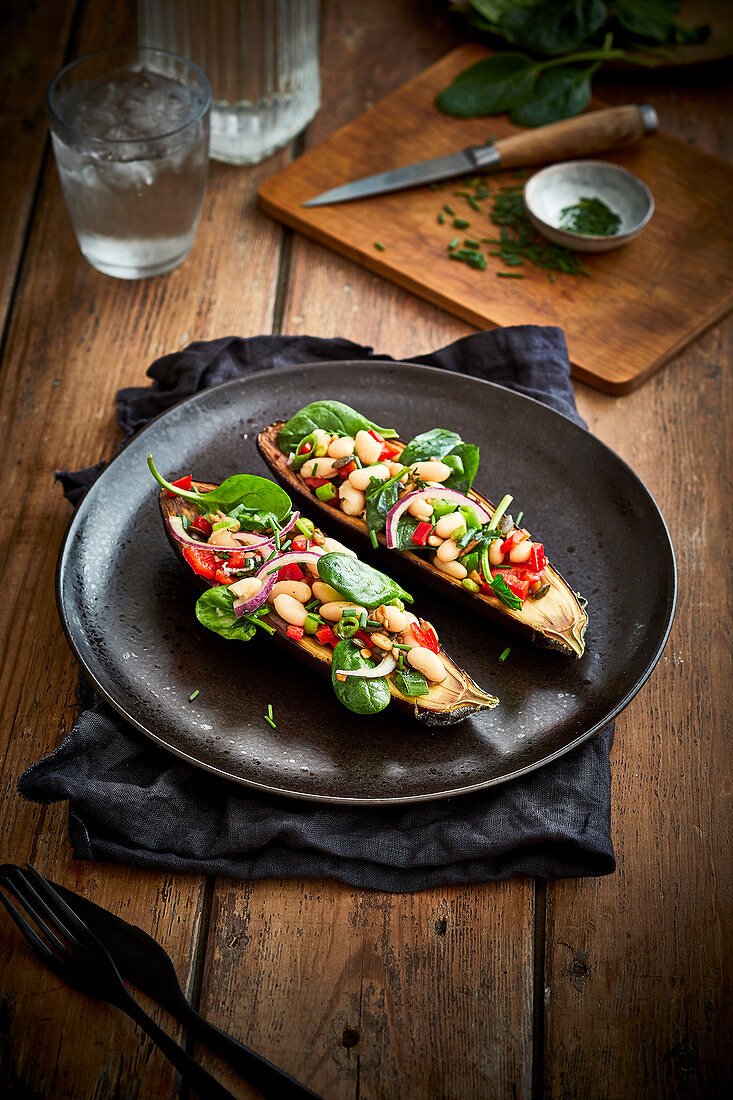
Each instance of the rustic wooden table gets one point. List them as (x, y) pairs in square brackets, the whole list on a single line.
[(600, 988)]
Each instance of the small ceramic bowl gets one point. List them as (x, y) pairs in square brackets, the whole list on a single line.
[(550, 191)]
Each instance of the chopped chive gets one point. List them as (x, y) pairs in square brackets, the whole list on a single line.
[(449, 210), (363, 620), (460, 223), (503, 656), (519, 518), (399, 645), (455, 242), (472, 202), (433, 186), (441, 218), (184, 522), (373, 624), (379, 246), (471, 244), (193, 695), (509, 274), (374, 539), (401, 662), (270, 722)]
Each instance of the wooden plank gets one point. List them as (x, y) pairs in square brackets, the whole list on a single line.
[(635, 986), (74, 338), (643, 303), (33, 51), (362, 993)]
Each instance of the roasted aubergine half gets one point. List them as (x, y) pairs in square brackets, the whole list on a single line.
[(417, 500), (265, 567)]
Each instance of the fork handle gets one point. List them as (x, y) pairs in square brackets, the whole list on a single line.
[(272, 1082), (192, 1073)]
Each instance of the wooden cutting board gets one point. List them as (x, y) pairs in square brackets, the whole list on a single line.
[(644, 302)]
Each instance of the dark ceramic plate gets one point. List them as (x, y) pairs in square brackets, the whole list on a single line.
[(128, 608)]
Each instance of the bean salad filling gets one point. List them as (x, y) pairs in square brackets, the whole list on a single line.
[(270, 568), (418, 495)]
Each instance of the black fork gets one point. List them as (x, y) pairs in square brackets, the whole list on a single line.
[(73, 952)]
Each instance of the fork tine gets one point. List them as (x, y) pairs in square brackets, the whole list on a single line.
[(35, 941), (37, 880), (24, 893)]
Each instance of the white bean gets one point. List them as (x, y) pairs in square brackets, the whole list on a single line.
[(299, 590), (446, 525), (450, 568), (395, 467), (291, 610), (341, 447), (448, 550), (432, 471), (360, 478), (246, 588), (367, 448), (322, 441), (521, 551), (392, 618), (352, 500), (324, 592), (427, 662), (333, 546), (223, 538), (496, 556), (319, 467), (420, 508), (332, 612)]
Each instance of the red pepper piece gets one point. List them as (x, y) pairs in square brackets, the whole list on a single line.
[(201, 524), (431, 639), (238, 559), (375, 435), (421, 533), (300, 543), (291, 572), (315, 482), (305, 448), (516, 583), (203, 562), (514, 538), (326, 635), (295, 632), (365, 639), (182, 483), (222, 577), (389, 452), (344, 471), (537, 559)]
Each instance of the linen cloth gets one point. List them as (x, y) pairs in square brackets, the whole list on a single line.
[(133, 802)]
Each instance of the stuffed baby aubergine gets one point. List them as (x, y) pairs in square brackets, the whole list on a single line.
[(265, 567), (416, 499)]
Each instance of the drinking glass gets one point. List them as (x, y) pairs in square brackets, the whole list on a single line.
[(261, 57), (130, 132)]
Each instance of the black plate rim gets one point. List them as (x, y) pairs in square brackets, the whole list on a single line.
[(431, 796)]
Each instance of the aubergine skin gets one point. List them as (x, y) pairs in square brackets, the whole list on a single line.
[(316, 657), (568, 641)]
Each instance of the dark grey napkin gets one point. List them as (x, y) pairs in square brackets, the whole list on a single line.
[(132, 802)]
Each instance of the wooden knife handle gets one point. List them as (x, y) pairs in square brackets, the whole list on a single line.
[(575, 137)]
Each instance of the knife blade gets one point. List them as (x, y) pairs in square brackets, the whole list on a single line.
[(593, 132), (145, 963)]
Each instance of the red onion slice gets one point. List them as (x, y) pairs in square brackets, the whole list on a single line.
[(394, 514), (386, 665), (292, 557), (244, 606)]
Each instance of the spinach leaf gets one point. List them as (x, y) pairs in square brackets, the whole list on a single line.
[(490, 86), (433, 444), (555, 26), (558, 93), (215, 611), (358, 582), (359, 696), (501, 589), (410, 682), (333, 416), (380, 497), (255, 494), (406, 528), (447, 446)]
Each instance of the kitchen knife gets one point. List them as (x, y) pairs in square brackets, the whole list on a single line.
[(594, 132)]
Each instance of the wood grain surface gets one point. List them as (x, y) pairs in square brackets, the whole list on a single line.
[(643, 303), (610, 988)]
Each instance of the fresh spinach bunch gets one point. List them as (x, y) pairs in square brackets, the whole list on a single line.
[(545, 83), (358, 582), (332, 416), (358, 695)]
